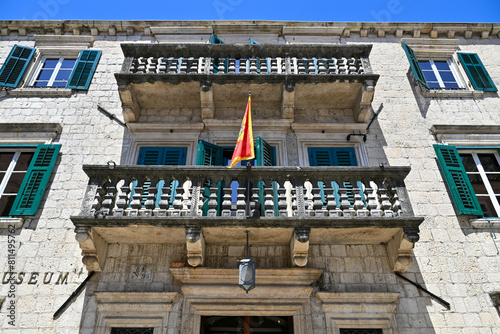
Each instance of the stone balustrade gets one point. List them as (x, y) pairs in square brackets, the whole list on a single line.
[(246, 59), (276, 192)]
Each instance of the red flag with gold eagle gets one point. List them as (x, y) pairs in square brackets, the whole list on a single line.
[(244, 145)]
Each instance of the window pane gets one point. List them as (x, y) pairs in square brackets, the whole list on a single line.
[(425, 65), (494, 180), (50, 63), (433, 84), (442, 65), (5, 159), (6, 203), (451, 85), (45, 75), (487, 206), (468, 162), (23, 161), (14, 183), (59, 84), (2, 175), (477, 184), (63, 75), (489, 162), (447, 76), (429, 76), (68, 63)]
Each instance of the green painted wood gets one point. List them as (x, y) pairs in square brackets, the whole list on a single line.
[(476, 72), (15, 65), (415, 66), (84, 69)]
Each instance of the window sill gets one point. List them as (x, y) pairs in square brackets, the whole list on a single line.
[(450, 93), (40, 92), (484, 223), (6, 222)]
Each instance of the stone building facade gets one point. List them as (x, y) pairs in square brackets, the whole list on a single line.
[(373, 200)]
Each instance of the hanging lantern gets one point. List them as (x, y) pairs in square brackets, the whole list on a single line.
[(247, 272)]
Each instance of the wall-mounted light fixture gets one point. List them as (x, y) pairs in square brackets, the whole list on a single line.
[(247, 272)]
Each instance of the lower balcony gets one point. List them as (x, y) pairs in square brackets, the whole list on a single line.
[(198, 205)]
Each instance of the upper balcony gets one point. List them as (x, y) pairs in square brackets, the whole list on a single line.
[(280, 76), (288, 206)]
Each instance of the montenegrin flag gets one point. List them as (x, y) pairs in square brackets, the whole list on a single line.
[(244, 145)]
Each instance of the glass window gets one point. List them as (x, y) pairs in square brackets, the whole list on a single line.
[(53, 72), (13, 168), (483, 170), (440, 74)]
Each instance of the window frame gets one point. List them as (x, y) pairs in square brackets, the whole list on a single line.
[(474, 152), (454, 70), (39, 66)]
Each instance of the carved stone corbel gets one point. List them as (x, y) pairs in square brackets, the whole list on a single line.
[(364, 110), (207, 100), (131, 109), (299, 246), (400, 249), (89, 250), (195, 244), (288, 101)]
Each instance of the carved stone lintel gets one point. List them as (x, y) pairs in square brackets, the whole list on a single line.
[(89, 250), (400, 249), (195, 244), (299, 250)]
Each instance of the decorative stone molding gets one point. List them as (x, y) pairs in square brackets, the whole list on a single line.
[(7, 222), (195, 244), (400, 249), (288, 101), (207, 100), (299, 246), (131, 109), (359, 310), (93, 248), (134, 309), (279, 292), (363, 111), (29, 133)]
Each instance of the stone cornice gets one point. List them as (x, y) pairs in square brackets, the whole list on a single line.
[(278, 28)]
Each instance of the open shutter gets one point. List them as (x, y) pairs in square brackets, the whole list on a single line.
[(415, 66), (265, 156), (36, 179), (215, 40), (84, 69), (476, 72), (14, 66), (457, 180), (209, 154)]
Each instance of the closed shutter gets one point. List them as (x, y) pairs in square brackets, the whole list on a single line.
[(84, 69), (168, 156), (36, 179), (457, 180), (415, 66), (334, 156), (210, 155), (265, 156), (476, 72), (16, 63)]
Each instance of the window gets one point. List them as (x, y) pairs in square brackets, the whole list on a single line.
[(126, 330), (246, 324), (24, 173), (361, 331), (57, 72), (441, 71)]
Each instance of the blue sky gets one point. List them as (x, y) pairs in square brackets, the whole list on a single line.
[(291, 10)]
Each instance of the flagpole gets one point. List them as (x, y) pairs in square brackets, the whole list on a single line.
[(249, 172)]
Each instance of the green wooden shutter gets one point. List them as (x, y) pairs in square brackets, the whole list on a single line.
[(209, 154), (16, 63), (36, 179), (215, 40), (265, 156), (84, 69), (415, 66), (457, 180), (476, 72)]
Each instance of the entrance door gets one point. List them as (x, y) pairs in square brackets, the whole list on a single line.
[(246, 324)]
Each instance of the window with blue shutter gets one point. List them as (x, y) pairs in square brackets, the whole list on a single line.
[(15, 65), (415, 66), (167, 156), (476, 72), (35, 180), (84, 69), (334, 156), (458, 182)]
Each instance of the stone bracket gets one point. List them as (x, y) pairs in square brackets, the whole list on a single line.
[(299, 246), (130, 106), (363, 111), (400, 249), (207, 100), (288, 101), (93, 248), (195, 245)]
